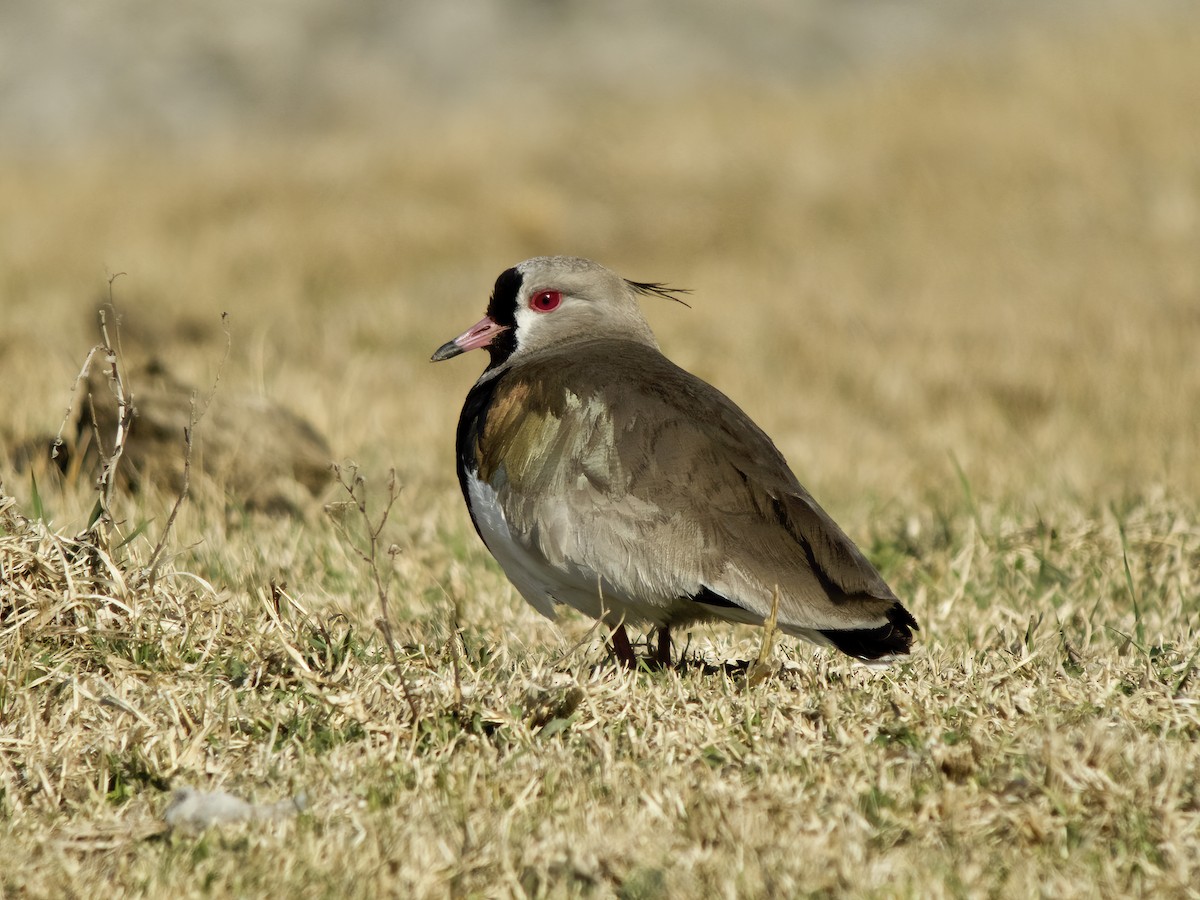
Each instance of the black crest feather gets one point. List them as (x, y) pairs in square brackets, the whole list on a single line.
[(655, 289)]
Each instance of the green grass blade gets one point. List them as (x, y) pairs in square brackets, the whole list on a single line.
[(1139, 627), (35, 499), (142, 526)]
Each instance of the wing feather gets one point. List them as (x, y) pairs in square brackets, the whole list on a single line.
[(660, 487)]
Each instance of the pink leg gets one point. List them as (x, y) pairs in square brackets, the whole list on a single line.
[(663, 656), (622, 648)]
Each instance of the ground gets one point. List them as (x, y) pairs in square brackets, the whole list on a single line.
[(962, 296)]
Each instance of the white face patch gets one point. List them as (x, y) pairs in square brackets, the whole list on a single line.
[(529, 323)]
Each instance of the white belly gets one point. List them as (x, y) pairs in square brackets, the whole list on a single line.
[(522, 568), (543, 585)]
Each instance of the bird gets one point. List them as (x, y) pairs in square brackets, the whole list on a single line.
[(603, 477)]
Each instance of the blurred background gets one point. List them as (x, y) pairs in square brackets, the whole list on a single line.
[(124, 71), (923, 238)]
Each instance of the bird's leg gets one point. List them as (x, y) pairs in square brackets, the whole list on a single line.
[(622, 648), (663, 656)]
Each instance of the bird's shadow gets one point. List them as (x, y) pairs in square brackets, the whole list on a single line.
[(731, 668), (686, 665)]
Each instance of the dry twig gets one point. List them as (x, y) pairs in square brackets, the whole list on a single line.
[(194, 418), (110, 460), (760, 669), (355, 486)]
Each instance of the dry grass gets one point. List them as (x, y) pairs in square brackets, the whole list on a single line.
[(973, 291)]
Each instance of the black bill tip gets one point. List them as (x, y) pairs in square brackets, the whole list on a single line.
[(448, 350)]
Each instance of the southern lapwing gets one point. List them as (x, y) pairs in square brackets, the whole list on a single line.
[(602, 476)]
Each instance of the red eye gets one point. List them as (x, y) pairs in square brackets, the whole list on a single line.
[(545, 301)]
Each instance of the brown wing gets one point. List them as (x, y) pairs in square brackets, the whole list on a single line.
[(635, 470)]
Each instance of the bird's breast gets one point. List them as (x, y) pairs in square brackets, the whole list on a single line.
[(535, 448)]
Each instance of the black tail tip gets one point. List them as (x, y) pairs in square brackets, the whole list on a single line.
[(887, 641)]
